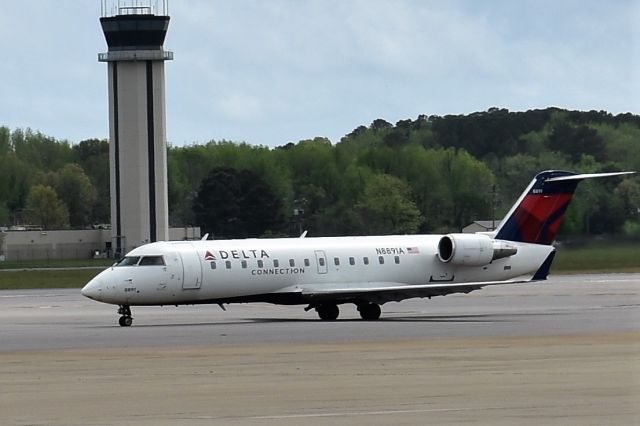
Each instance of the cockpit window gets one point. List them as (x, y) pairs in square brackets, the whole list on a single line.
[(128, 261), (152, 260)]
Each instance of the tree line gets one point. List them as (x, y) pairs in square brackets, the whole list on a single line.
[(428, 175)]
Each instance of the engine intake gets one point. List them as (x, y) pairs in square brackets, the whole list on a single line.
[(472, 249)]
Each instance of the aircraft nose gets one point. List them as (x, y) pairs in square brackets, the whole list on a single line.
[(93, 289)]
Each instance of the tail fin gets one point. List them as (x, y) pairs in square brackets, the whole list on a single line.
[(538, 213)]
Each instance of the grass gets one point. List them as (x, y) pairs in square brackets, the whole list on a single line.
[(598, 257), (27, 264), (63, 278)]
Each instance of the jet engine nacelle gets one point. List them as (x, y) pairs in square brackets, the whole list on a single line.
[(472, 249)]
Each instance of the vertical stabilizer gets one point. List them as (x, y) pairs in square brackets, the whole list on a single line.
[(538, 213)]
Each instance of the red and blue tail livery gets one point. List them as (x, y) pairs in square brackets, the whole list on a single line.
[(539, 212)]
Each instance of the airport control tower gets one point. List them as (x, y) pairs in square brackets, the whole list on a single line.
[(137, 146)]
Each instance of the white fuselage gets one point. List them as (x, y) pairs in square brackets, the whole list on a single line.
[(263, 269)]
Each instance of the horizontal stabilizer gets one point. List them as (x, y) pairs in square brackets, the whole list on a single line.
[(587, 176)]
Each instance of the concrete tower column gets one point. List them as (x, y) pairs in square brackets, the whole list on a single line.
[(137, 130)]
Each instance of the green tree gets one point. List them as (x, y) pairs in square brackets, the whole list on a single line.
[(576, 141), (386, 207), (628, 191), (77, 192), (5, 140), (16, 177), (2, 237), (446, 161), (468, 184), (189, 166), (236, 204), (44, 208), (515, 172), (180, 193), (44, 152), (93, 156), (622, 143), (419, 167), (4, 214)]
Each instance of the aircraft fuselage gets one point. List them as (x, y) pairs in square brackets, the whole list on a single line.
[(277, 270)]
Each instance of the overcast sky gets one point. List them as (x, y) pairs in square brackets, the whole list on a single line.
[(271, 72)]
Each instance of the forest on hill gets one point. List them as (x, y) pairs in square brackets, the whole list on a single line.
[(432, 174)]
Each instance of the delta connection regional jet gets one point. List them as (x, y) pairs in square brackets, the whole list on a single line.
[(324, 273)]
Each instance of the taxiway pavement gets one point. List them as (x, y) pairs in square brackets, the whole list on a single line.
[(562, 352)]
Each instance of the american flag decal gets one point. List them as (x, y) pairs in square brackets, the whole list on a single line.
[(209, 256), (413, 250)]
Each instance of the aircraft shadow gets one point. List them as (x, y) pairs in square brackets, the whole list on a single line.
[(180, 324), (469, 318), (383, 319), (510, 317)]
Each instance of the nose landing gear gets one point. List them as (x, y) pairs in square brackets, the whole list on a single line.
[(125, 320)]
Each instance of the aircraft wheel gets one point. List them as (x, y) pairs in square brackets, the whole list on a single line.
[(328, 312), (369, 311), (125, 321)]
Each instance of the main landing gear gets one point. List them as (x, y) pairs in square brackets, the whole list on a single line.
[(330, 311), (125, 320), (369, 311)]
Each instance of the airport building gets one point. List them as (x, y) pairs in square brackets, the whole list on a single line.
[(481, 226), (69, 244)]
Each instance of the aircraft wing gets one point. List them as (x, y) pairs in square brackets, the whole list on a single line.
[(382, 292)]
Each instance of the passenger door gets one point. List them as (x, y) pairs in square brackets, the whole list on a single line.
[(191, 265)]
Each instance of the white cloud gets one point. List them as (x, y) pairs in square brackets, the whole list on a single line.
[(279, 71), (241, 107)]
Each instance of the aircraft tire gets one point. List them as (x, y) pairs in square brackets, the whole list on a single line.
[(125, 321), (370, 311), (328, 312)]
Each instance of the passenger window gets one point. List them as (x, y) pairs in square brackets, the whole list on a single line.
[(397, 259), (321, 261), (213, 265), (352, 261), (228, 263), (365, 260), (260, 264), (276, 263), (244, 264), (306, 262), (336, 261), (381, 260), (152, 261), (292, 262)]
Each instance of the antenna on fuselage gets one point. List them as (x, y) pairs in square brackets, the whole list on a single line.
[(204, 237), (304, 234)]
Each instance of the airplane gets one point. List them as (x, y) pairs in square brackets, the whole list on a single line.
[(325, 272)]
